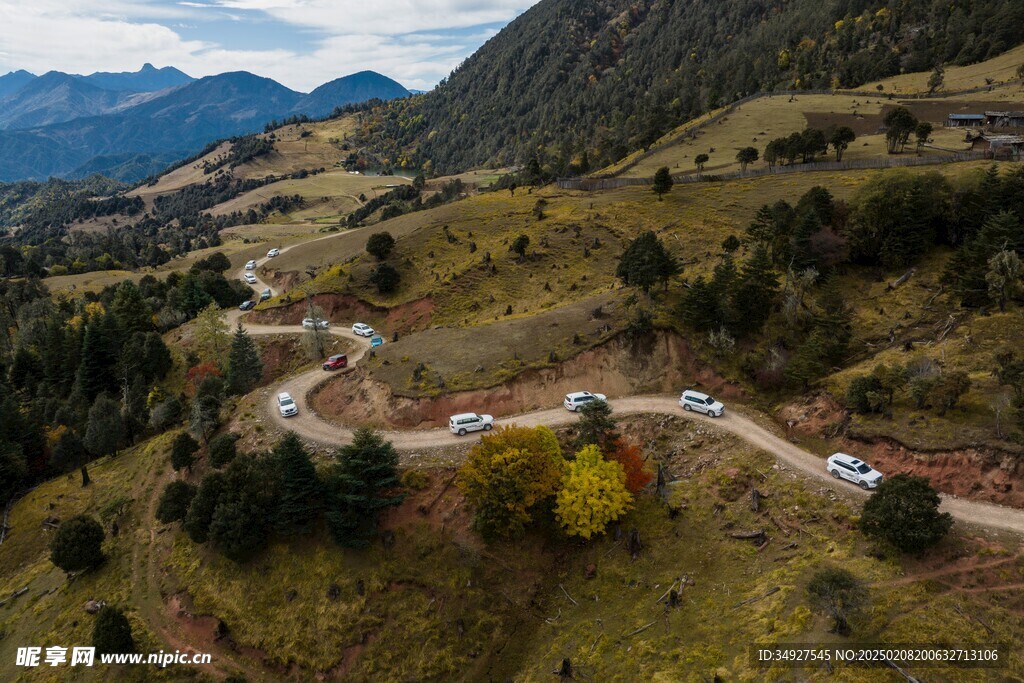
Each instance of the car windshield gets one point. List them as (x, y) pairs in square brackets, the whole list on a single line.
[(710, 401), (863, 468), (286, 401)]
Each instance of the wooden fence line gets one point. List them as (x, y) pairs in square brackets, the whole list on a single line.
[(590, 184)]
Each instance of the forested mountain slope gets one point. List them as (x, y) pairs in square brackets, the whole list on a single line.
[(605, 78)]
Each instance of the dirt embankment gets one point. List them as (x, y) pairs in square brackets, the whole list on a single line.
[(348, 309), (617, 368), (981, 473)]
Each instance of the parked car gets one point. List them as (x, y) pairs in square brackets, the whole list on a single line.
[(273, 252), (311, 323), (286, 404), (376, 340), (247, 305), (702, 403), (265, 294), (250, 265), (362, 330), (336, 362), (843, 466), (470, 422), (250, 278), (578, 399)]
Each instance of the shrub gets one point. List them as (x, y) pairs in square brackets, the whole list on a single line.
[(111, 633), (78, 544), (174, 502), (904, 512)]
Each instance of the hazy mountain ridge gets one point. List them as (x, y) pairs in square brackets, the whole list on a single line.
[(46, 138)]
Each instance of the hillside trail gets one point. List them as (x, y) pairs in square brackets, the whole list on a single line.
[(311, 426), (147, 595)]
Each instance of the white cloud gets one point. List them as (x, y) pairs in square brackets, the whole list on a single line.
[(403, 39), (384, 17)]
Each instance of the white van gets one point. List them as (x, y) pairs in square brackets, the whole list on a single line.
[(470, 422), (701, 403)]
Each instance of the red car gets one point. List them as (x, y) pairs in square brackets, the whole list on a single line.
[(336, 362)]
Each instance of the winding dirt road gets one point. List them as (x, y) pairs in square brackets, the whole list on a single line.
[(311, 426)]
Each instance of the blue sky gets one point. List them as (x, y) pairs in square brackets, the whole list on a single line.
[(300, 43)]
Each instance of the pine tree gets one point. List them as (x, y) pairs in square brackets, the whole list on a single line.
[(130, 309), (702, 306), (203, 505), (13, 470), (299, 492), (70, 453), (77, 545), (183, 452), (662, 182), (597, 426), (112, 633), (240, 523), (222, 449), (362, 483), (95, 371), (175, 501), (103, 433), (904, 511), (754, 295), (646, 262), (244, 365)]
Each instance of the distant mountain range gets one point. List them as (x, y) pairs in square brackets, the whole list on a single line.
[(131, 124)]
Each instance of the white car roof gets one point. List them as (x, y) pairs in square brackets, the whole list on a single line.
[(283, 395), (461, 416), (578, 394), (361, 325), (695, 394), (848, 459)]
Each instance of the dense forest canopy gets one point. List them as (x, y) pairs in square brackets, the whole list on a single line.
[(581, 84)]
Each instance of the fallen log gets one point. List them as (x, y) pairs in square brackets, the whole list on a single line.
[(901, 279), (641, 629), (749, 601), (14, 596)]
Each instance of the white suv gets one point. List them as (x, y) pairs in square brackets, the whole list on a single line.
[(362, 329), (578, 399), (250, 265), (843, 466), (470, 422), (250, 278), (312, 324), (286, 405), (273, 252), (702, 403)]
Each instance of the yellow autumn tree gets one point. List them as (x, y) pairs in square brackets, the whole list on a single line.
[(509, 475), (593, 494)]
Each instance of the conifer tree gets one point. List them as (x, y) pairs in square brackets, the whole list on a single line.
[(112, 633), (299, 493), (244, 365), (103, 433), (362, 484), (662, 182), (183, 452)]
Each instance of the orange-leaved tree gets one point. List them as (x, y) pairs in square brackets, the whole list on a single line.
[(630, 457)]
